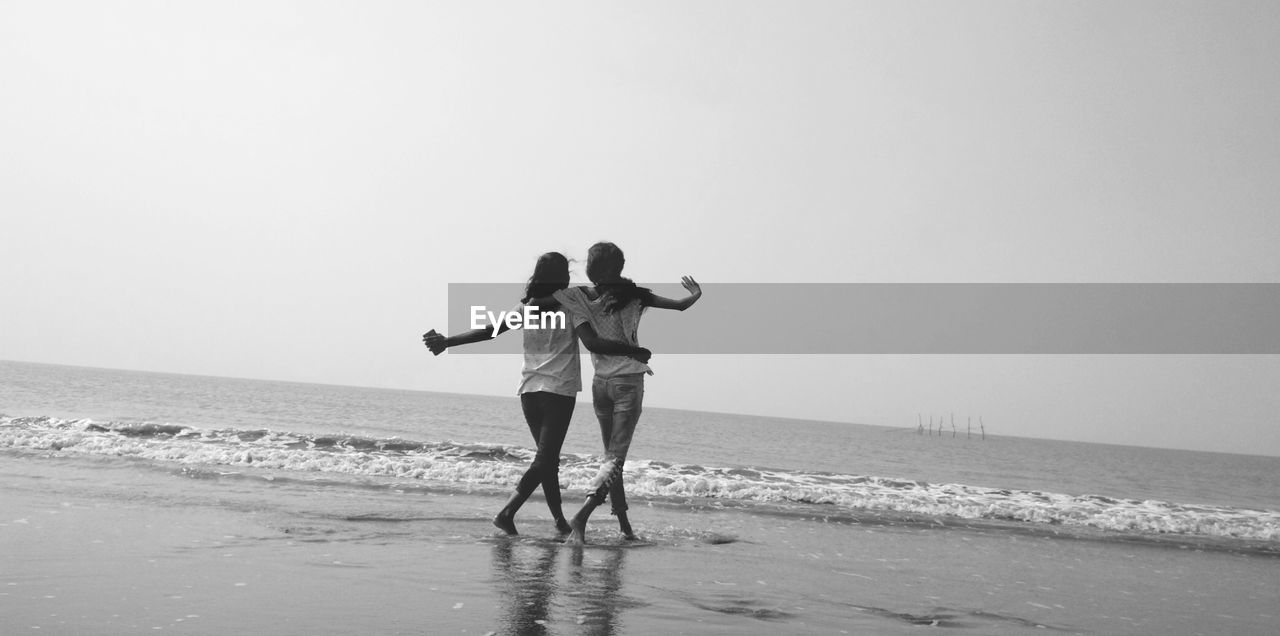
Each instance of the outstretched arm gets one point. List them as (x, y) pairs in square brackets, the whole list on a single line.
[(595, 344), (438, 342), (695, 292)]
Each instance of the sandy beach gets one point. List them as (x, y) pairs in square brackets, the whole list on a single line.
[(126, 548), (884, 316)]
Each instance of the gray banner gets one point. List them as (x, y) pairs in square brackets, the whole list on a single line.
[(929, 318)]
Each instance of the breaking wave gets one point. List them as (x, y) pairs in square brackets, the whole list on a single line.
[(480, 464)]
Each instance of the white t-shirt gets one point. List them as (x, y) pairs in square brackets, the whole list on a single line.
[(551, 360), (621, 325)]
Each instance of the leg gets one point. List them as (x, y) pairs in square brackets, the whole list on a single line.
[(610, 475), (617, 404), (627, 406), (620, 511), (555, 425), (603, 406), (535, 414), (608, 483), (578, 525)]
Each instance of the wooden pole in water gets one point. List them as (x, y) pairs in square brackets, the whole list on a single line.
[(919, 424), (953, 423), (968, 432), (983, 427)]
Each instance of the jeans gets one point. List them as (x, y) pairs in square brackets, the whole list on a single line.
[(617, 402)]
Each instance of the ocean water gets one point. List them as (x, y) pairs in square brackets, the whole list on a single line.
[(476, 441), (825, 505)]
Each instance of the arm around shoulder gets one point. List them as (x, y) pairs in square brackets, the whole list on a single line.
[(595, 344)]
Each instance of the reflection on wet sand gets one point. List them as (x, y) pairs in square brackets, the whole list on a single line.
[(590, 596), (596, 590), (525, 575)]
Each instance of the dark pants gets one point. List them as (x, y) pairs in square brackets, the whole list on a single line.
[(548, 416)]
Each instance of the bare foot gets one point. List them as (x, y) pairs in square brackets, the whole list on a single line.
[(505, 523), (563, 527), (577, 532), (624, 524)]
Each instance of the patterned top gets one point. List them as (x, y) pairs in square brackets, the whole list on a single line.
[(621, 325)]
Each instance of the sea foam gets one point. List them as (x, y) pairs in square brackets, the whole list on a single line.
[(480, 464)]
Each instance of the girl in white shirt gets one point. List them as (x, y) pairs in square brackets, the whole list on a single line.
[(549, 384)]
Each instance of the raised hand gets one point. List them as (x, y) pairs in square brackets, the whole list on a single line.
[(691, 286)]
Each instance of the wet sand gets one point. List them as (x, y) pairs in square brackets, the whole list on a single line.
[(122, 550)]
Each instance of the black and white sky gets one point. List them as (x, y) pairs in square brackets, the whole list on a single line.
[(284, 190)]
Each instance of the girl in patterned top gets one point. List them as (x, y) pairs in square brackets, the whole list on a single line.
[(604, 316)]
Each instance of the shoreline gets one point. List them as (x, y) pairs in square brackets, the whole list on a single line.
[(117, 549)]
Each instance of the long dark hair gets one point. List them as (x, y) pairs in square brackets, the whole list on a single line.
[(604, 267), (550, 275)]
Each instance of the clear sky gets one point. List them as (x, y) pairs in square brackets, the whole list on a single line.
[(284, 190)]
